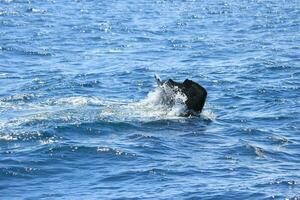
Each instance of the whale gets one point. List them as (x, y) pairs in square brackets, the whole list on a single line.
[(195, 94)]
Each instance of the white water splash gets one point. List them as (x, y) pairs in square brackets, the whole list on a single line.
[(208, 114), (161, 103)]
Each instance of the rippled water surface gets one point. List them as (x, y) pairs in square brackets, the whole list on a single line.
[(81, 117)]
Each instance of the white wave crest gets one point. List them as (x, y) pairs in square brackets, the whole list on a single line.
[(78, 101)]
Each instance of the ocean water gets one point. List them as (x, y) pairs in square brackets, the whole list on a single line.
[(81, 115)]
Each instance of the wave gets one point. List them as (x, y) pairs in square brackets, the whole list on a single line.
[(30, 114), (160, 103)]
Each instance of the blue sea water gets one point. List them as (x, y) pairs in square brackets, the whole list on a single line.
[(81, 115)]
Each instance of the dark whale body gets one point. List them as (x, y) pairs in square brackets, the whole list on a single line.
[(195, 93)]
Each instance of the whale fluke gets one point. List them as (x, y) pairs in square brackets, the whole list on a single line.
[(195, 93)]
